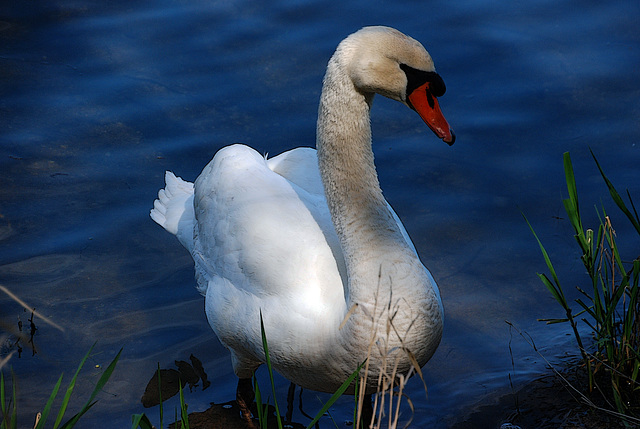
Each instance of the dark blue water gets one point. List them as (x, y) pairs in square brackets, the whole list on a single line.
[(98, 100)]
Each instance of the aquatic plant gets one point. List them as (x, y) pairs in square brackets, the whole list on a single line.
[(610, 306), (9, 410)]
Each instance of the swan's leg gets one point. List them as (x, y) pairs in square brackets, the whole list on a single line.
[(290, 393), (367, 411), (301, 407), (244, 398)]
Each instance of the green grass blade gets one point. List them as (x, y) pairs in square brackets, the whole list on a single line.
[(631, 317), (338, 393), (571, 180), (14, 411), (586, 308), (47, 407), (615, 300), (356, 389), (635, 221), (3, 424), (572, 208), (258, 398), (553, 321), (184, 415), (554, 287), (175, 415), (633, 207), (270, 369), (571, 204), (99, 385), (141, 421), (8, 422), (67, 395)]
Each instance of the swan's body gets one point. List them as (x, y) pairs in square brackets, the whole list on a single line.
[(307, 239)]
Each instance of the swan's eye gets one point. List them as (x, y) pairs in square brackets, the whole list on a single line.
[(437, 86)]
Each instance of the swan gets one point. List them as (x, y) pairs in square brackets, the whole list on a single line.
[(306, 238)]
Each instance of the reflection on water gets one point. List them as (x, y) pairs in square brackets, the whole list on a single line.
[(99, 100)]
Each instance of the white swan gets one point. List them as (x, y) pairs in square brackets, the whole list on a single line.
[(307, 238)]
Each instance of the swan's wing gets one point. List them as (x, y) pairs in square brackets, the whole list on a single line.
[(299, 166), (261, 238)]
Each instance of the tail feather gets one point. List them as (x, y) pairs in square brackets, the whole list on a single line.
[(173, 210)]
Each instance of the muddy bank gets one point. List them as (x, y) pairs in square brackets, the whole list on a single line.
[(548, 402)]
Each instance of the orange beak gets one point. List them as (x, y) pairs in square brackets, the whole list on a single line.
[(423, 102)]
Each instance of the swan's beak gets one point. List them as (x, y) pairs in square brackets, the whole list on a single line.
[(423, 102)]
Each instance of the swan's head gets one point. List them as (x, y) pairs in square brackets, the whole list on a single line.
[(382, 60)]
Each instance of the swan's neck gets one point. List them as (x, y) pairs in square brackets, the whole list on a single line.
[(369, 235), (387, 286)]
